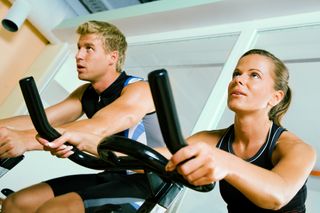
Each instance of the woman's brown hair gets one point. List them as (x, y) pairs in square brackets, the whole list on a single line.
[(281, 78)]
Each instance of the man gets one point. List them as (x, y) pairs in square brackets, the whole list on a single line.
[(114, 103)]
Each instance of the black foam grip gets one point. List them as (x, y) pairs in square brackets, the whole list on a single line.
[(167, 115), (9, 163), (148, 157), (45, 130), (7, 192), (166, 109), (144, 154)]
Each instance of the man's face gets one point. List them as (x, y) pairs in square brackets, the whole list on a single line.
[(93, 61)]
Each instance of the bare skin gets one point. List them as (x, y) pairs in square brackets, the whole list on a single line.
[(251, 96), (98, 66)]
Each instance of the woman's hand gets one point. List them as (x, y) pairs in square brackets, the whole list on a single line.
[(199, 163)]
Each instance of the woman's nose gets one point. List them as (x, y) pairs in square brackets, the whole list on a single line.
[(239, 79)]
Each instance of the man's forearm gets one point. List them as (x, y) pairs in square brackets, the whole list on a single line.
[(21, 122)]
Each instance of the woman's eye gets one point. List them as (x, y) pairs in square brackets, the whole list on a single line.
[(255, 75), (235, 74)]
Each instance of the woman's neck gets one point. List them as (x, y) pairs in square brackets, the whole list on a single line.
[(251, 130)]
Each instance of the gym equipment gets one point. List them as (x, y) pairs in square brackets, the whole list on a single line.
[(153, 162), (8, 163), (6, 191), (45, 130), (171, 132), (165, 186), (167, 115)]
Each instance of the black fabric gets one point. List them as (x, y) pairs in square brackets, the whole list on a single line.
[(119, 208), (113, 185), (92, 102), (236, 201), (115, 191)]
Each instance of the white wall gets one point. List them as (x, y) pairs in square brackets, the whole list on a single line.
[(57, 64), (32, 170)]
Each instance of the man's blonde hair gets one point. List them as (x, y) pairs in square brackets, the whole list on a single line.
[(112, 37)]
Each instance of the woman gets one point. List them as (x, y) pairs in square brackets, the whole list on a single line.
[(261, 166)]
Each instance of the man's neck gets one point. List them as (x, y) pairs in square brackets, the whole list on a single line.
[(105, 82)]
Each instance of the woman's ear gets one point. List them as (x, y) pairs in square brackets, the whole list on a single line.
[(276, 98)]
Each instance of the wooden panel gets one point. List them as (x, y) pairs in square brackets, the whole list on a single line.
[(18, 51)]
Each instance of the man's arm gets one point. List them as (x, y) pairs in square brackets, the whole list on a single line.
[(21, 122), (17, 134), (126, 111), (68, 110)]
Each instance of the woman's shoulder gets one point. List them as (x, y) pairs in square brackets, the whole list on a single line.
[(289, 142), (208, 136), (289, 138)]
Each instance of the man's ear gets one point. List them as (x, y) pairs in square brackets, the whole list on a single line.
[(276, 98), (114, 56)]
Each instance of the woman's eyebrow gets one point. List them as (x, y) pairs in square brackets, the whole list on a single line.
[(255, 69)]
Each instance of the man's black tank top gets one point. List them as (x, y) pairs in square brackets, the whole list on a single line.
[(92, 102), (236, 201), (147, 131)]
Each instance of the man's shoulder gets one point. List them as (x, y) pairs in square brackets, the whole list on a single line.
[(80, 90), (132, 79)]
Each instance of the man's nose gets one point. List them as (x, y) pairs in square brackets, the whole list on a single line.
[(79, 54)]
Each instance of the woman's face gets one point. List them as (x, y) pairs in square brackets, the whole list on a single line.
[(251, 88)]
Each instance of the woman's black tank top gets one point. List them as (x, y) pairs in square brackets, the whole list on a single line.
[(236, 201)]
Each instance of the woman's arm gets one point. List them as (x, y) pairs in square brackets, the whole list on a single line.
[(273, 189)]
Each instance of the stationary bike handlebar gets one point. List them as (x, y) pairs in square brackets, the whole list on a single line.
[(167, 115), (166, 110), (170, 128), (141, 156), (45, 130)]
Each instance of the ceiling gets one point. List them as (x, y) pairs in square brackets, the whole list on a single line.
[(141, 17), (172, 15), (84, 7)]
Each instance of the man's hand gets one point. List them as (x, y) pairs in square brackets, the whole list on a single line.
[(83, 141), (13, 143), (56, 147)]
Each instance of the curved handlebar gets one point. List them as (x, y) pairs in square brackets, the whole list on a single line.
[(45, 130), (150, 158), (8, 163), (170, 128), (167, 115), (166, 109)]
